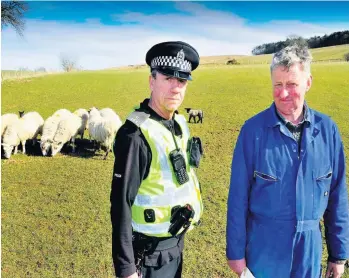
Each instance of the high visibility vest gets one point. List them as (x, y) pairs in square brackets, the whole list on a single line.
[(160, 191)]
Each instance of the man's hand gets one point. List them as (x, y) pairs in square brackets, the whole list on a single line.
[(134, 275), (237, 266), (334, 270)]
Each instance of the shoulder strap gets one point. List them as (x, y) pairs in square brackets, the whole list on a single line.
[(138, 117)]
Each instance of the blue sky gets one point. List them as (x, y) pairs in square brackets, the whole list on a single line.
[(108, 34)]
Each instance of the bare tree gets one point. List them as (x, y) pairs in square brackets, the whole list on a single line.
[(68, 62), (12, 13)]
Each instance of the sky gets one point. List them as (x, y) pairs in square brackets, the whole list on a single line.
[(100, 35)]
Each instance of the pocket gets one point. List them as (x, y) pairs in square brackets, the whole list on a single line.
[(265, 194), (264, 176), (322, 184)]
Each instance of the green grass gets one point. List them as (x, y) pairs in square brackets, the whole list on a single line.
[(20, 74), (55, 211), (319, 54)]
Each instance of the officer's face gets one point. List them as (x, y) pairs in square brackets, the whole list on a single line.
[(289, 88), (167, 92)]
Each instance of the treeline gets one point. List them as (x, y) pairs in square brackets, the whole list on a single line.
[(335, 38)]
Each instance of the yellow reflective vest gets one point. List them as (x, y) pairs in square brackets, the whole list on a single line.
[(160, 191)]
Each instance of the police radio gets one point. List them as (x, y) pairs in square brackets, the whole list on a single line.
[(178, 162), (181, 218), (179, 167)]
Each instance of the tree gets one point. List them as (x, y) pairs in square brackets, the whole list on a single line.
[(68, 62), (12, 13)]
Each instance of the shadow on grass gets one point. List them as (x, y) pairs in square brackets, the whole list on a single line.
[(84, 148)]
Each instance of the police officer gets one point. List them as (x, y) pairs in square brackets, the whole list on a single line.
[(155, 196)]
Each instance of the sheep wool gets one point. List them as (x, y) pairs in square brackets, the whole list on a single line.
[(27, 127)]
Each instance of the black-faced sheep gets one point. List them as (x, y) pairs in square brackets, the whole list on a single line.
[(193, 113)]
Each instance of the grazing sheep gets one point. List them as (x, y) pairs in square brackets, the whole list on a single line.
[(83, 114), (109, 113), (62, 113), (27, 127), (103, 128), (195, 113), (6, 120), (49, 129), (67, 130)]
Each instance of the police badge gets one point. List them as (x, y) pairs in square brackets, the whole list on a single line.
[(180, 55)]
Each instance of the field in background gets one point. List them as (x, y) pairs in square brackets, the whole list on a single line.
[(324, 54), (21, 74), (319, 54), (55, 211)]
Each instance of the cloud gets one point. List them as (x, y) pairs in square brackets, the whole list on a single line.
[(98, 46)]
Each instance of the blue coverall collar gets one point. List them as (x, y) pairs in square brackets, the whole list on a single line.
[(274, 120)]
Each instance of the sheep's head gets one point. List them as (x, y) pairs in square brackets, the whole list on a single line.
[(187, 109), (21, 113), (56, 147), (7, 150), (45, 147)]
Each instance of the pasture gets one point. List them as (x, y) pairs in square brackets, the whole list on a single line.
[(55, 211)]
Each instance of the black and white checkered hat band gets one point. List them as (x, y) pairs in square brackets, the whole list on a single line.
[(169, 61)]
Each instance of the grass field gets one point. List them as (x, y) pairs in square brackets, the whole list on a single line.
[(55, 211), (319, 55)]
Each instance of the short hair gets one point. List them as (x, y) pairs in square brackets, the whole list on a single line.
[(153, 73), (291, 55)]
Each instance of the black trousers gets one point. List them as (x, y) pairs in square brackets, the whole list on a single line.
[(173, 269), (164, 258)]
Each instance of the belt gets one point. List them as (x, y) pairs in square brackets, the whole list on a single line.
[(159, 243), (299, 225)]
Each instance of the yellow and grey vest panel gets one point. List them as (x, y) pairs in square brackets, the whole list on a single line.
[(160, 191)]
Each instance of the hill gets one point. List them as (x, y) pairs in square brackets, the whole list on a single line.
[(319, 54)]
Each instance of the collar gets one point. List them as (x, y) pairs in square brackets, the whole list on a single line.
[(144, 106), (287, 122), (274, 118)]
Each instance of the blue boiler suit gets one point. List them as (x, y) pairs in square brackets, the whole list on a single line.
[(278, 195)]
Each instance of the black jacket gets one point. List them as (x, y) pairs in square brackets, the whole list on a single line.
[(132, 161)]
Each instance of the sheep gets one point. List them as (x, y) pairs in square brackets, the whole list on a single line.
[(195, 113), (62, 113), (83, 114), (6, 120), (50, 128), (103, 128), (109, 113), (27, 127), (67, 130)]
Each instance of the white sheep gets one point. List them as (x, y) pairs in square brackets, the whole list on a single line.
[(6, 120), (62, 113), (83, 114), (49, 129), (67, 130), (103, 128), (27, 127), (110, 113)]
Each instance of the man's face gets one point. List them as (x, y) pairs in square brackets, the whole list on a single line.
[(167, 92), (289, 88)]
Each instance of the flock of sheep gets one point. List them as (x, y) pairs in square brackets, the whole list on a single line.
[(60, 128)]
